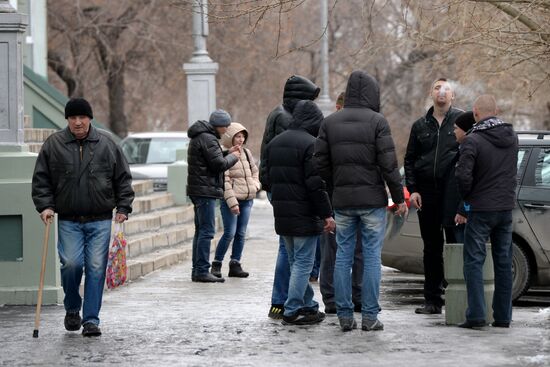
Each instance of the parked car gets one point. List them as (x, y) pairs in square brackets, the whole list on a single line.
[(403, 246), (150, 153)]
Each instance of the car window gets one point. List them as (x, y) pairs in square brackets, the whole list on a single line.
[(542, 170), (152, 150), (522, 162)]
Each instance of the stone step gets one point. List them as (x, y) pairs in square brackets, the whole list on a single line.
[(162, 258), (142, 187), (34, 147), (155, 220), (33, 135), (151, 202), (165, 237)]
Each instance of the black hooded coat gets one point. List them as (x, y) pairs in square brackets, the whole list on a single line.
[(299, 197), (355, 153), (297, 88)]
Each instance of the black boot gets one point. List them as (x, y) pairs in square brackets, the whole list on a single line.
[(216, 269), (235, 270)]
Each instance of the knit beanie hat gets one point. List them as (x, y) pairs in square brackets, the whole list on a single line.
[(220, 118), (465, 120), (78, 107)]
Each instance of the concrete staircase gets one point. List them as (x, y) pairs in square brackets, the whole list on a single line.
[(159, 233), (35, 137)]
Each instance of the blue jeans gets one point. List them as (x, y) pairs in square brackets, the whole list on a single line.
[(234, 228), (372, 222), (481, 226), (317, 262), (301, 255), (84, 248), (281, 278), (205, 227)]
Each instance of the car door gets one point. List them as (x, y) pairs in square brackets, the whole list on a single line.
[(534, 197)]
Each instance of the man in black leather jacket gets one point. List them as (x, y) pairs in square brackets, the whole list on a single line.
[(205, 183), (81, 174), (431, 150), (297, 88)]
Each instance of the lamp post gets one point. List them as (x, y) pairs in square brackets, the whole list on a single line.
[(201, 70), (324, 102)]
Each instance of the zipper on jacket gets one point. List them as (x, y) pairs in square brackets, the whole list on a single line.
[(80, 143)]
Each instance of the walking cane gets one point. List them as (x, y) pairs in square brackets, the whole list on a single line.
[(41, 285)]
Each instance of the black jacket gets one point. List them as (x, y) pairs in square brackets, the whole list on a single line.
[(206, 163), (430, 151), (487, 168), (91, 186), (355, 152), (299, 196), (297, 88)]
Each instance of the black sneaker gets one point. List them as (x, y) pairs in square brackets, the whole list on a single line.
[(500, 324), (90, 329), (216, 269), (236, 270), (300, 318), (72, 321), (276, 312), (428, 309), (469, 324)]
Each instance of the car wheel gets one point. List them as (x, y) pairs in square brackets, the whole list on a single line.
[(521, 271)]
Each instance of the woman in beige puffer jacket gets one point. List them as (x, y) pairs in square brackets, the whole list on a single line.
[(241, 186)]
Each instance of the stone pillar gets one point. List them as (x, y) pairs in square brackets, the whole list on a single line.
[(201, 70), (20, 226), (456, 300), (326, 105)]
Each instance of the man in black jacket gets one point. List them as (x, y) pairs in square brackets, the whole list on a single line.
[(355, 153), (297, 88), (430, 152), (486, 174), (82, 175), (301, 207), (205, 184)]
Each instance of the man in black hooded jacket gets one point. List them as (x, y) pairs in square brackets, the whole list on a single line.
[(301, 207), (297, 88), (355, 154), (486, 175)]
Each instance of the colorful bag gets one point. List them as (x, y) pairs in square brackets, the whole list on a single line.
[(116, 266)]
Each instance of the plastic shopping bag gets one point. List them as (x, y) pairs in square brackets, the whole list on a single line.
[(116, 265)]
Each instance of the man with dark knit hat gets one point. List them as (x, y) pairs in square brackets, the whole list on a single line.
[(454, 214), (82, 175), (206, 163)]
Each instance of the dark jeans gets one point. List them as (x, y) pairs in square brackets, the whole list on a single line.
[(281, 278), (317, 262), (205, 223), (431, 229), (481, 226), (326, 277)]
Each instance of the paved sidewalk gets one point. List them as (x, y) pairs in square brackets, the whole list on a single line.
[(164, 319)]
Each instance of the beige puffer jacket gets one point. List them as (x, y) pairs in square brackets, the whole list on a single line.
[(241, 180)]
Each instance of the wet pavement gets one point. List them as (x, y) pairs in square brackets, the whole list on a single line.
[(164, 319)]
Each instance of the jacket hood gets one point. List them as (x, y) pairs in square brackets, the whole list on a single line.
[(307, 116), (362, 91), (201, 127), (298, 88), (232, 130), (496, 131)]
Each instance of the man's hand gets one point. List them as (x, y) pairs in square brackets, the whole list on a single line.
[(235, 210), (236, 150), (460, 219), (120, 217), (47, 215), (330, 225), (416, 200), (402, 209)]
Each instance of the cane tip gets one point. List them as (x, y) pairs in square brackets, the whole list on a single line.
[(35, 334)]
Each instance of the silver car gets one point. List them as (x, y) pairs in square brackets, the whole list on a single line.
[(150, 153), (403, 246)]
